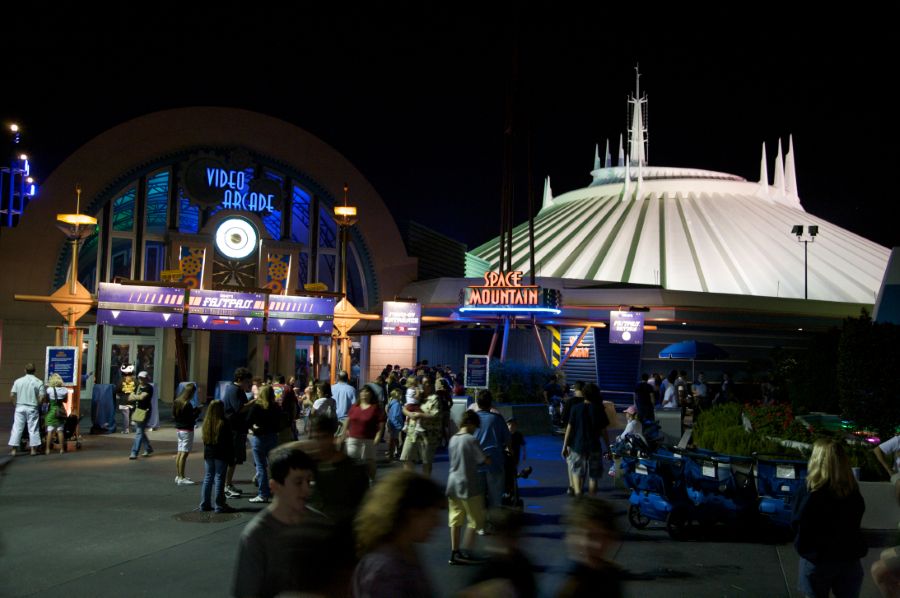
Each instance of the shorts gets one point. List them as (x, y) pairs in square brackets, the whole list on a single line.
[(185, 441), (362, 449), (590, 465), (394, 431), (57, 428), (420, 445), (240, 448), (469, 510)]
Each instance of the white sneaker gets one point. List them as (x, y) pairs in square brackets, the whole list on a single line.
[(178, 480), (185, 482)]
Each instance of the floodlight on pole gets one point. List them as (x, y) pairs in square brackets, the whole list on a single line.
[(812, 230)]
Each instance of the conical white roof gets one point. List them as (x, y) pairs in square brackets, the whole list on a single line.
[(694, 230)]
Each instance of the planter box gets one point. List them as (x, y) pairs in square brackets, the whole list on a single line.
[(882, 511)]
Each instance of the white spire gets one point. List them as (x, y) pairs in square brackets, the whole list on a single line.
[(627, 189), (763, 174), (548, 194), (790, 175), (637, 150), (608, 160), (597, 164), (621, 151), (779, 172)]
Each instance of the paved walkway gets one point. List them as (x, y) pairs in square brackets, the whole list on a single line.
[(92, 523)]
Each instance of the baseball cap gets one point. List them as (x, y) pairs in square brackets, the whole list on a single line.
[(632, 409), (143, 375)]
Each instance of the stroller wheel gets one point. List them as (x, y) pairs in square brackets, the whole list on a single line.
[(677, 524), (637, 519)]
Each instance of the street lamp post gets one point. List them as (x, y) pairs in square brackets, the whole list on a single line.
[(345, 216), (813, 230)]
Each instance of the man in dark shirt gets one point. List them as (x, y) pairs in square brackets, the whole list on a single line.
[(643, 400), (582, 447), (235, 398)]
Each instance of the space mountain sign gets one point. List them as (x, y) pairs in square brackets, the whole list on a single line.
[(504, 291)]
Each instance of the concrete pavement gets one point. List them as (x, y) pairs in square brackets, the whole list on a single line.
[(92, 523)]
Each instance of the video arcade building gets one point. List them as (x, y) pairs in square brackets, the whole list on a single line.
[(212, 199)]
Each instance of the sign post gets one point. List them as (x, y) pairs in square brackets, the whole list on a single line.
[(626, 327), (62, 361), (476, 372)]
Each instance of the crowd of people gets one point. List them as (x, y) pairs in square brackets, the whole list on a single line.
[(317, 482)]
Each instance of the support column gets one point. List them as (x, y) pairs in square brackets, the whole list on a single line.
[(506, 320)]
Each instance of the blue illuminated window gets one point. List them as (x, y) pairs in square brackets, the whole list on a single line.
[(326, 271), (188, 215), (304, 268), (272, 220), (87, 261), (300, 216), (327, 229), (154, 260), (120, 258), (157, 202), (123, 212)]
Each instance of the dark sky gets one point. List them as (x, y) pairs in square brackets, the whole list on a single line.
[(415, 95)]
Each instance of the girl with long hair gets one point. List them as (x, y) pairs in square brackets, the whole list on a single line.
[(218, 454), (185, 415), (55, 420), (827, 515), (262, 417), (396, 514)]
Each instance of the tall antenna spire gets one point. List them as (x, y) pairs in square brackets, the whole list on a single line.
[(763, 173), (790, 174), (547, 200), (779, 173), (638, 131), (621, 151), (597, 164), (608, 160)]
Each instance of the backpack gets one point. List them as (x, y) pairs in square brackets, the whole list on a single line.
[(328, 408)]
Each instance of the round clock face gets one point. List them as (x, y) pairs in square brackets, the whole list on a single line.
[(236, 238)]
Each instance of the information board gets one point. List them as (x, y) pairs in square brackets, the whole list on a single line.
[(401, 318), (135, 305), (226, 310), (477, 371), (300, 314)]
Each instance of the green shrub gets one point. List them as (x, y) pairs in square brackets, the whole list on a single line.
[(515, 382), (720, 429)]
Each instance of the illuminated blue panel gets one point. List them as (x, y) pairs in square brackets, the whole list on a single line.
[(300, 216), (188, 216), (518, 310), (123, 212), (120, 258), (157, 203), (326, 271), (154, 260)]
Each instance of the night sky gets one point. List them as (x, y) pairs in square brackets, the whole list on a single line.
[(415, 95)]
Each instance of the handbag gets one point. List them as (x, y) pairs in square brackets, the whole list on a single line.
[(139, 415)]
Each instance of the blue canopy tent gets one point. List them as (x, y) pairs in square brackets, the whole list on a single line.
[(693, 350)]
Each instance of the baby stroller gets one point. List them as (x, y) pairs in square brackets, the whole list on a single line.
[(777, 482)]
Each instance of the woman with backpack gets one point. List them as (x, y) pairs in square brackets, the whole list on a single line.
[(55, 420)]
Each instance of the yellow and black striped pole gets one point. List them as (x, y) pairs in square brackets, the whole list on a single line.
[(554, 346)]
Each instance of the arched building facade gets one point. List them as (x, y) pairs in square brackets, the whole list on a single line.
[(160, 186)]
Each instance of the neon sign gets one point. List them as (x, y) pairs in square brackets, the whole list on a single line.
[(504, 292), (233, 182), (581, 351)]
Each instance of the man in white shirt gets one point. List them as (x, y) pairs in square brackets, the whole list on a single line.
[(27, 393), (887, 450), (344, 395)]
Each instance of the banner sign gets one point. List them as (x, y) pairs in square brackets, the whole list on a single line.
[(62, 361), (477, 371), (626, 327), (226, 310), (504, 292), (134, 305), (300, 315), (400, 318)]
